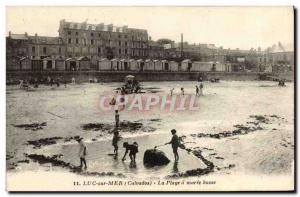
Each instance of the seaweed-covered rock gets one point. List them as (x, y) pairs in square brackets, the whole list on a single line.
[(153, 157)]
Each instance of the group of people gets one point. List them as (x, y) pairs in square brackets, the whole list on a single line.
[(130, 149), (199, 90), (25, 84)]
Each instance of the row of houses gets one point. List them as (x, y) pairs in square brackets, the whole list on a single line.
[(84, 64)]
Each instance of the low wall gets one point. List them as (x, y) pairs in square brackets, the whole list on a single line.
[(113, 76)]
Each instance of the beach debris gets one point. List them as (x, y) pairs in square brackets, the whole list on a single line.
[(198, 171), (43, 142), (154, 157), (32, 126), (124, 126), (252, 126)]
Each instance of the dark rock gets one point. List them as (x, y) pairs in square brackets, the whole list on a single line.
[(43, 142), (33, 126), (153, 157)]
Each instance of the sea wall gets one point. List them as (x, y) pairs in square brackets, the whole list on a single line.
[(113, 76)]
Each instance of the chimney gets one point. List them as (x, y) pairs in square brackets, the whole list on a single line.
[(110, 27), (101, 26), (150, 38), (35, 34), (26, 34), (9, 34), (181, 46)]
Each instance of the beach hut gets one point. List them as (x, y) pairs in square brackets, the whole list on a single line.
[(72, 64), (219, 67), (84, 63), (25, 63), (104, 64), (115, 64), (60, 63), (165, 65), (37, 64), (125, 64), (157, 65), (149, 65), (174, 66), (141, 64), (133, 65), (186, 65), (48, 63), (202, 66)]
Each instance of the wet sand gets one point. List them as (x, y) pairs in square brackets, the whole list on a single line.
[(223, 132)]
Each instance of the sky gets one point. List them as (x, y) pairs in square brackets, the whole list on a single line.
[(230, 27)]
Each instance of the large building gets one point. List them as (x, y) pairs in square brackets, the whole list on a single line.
[(103, 41), (80, 46)]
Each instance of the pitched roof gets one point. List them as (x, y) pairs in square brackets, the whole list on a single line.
[(45, 40), (19, 36)]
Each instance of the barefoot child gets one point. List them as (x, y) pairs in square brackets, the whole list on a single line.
[(115, 140), (175, 144), (132, 148), (82, 153)]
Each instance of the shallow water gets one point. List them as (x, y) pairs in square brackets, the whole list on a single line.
[(99, 161)]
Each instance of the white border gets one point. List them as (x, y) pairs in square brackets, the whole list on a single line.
[(4, 3)]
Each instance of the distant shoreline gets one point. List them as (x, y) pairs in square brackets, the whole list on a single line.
[(118, 76)]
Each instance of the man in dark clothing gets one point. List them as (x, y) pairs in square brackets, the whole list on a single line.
[(175, 144), (132, 149), (117, 118), (197, 91)]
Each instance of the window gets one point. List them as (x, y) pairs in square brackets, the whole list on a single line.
[(99, 50), (99, 35), (126, 44), (120, 51), (119, 36), (76, 33), (126, 51), (59, 50), (76, 40), (69, 40), (69, 32), (119, 43), (92, 34), (33, 49), (92, 42), (44, 50), (125, 36)]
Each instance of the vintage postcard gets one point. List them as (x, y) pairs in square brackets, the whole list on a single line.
[(150, 99)]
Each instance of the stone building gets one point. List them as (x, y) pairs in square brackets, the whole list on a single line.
[(277, 58), (98, 41), (40, 50), (16, 49)]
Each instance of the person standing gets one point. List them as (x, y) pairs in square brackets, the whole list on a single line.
[(132, 149), (171, 91), (197, 91), (117, 118), (115, 140), (201, 89), (82, 153), (182, 91), (175, 144)]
